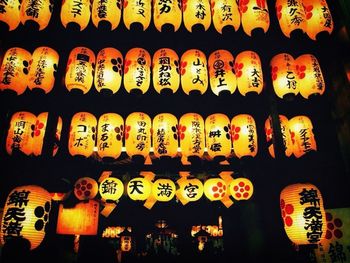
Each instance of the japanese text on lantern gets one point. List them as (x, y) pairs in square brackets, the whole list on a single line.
[(140, 7), (200, 10), (104, 137), (33, 8), (296, 16), (141, 71), (317, 73), (219, 69), (327, 16), (20, 127), (9, 71), (165, 8), (291, 82), (81, 68), (141, 135), (77, 7), (40, 68), (196, 135), (255, 73), (102, 8), (164, 69)]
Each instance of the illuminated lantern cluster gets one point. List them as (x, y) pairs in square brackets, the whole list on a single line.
[(38, 11), (225, 14), (108, 11), (78, 13), (135, 12), (254, 15)]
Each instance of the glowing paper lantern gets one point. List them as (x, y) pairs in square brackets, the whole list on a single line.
[(80, 69), (196, 12), (163, 190), (14, 70), (194, 72), (303, 214), (249, 73), (137, 70), (167, 13), (82, 134), (111, 189), (244, 136), (241, 189), (106, 11), (139, 188), (76, 12), (137, 12), (85, 188), (38, 11), (125, 242), (10, 13), (215, 189), (221, 72), (254, 15), (43, 69), (225, 13), (190, 190), (27, 208), (165, 69), (38, 133)]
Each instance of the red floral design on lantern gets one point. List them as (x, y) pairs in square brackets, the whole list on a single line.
[(333, 227), (219, 190), (242, 189), (126, 131), (268, 133), (181, 131), (126, 66), (183, 65), (243, 6), (83, 188), (279, 12), (292, 136), (238, 69), (274, 71), (287, 210), (308, 11), (184, 5), (235, 132), (300, 71), (36, 128)]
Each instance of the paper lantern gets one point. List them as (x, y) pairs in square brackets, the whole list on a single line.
[(137, 70), (137, 12), (319, 18), (167, 13), (196, 12), (215, 189), (139, 188), (111, 189), (26, 214), (221, 72), (10, 13), (57, 136), (303, 214), (217, 135), (225, 13), (76, 12), (163, 190), (165, 137), (310, 77), (80, 69), (284, 76), (241, 189), (110, 135), (109, 11), (38, 11), (249, 73), (44, 66), (254, 15), (191, 190), (125, 243), (165, 69), (300, 128), (194, 72), (14, 70), (82, 134), (85, 188)]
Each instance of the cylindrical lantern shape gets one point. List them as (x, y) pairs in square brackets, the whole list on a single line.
[(139, 188), (138, 134), (254, 14), (80, 69), (302, 136), (163, 190), (225, 13), (249, 73), (303, 214), (38, 11), (244, 136), (107, 11), (125, 243), (27, 208), (78, 12), (194, 72), (310, 77), (165, 137), (241, 189), (283, 74), (43, 69), (137, 70), (217, 135), (82, 134), (10, 13), (14, 70), (108, 71), (215, 189), (85, 188), (38, 133), (221, 72), (318, 16), (196, 12), (111, 189), (138, 12), (165, 70), (191, 189), (167, 13)]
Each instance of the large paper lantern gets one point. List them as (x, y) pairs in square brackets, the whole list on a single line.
[(221, 72), (82, 134), (26, 214), (241, 189), (139, 188), (111, 189), (38, 11), (196, 12), (215, 189), (163, 190), (166, 14), (109, 11), (165, 69), (10, 13), (190, 190), (225, 13), (137, 70), (249, 73), (43, 69), (80, 69), (310, 77), (194, 72), (254, 15), (303, 214), (85, 188), (137, 12), (14, 70), (244, 136), (76, 12)]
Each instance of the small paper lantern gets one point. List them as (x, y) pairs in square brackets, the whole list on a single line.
[(77, 12), (85, 188), (217, 135), (111, 189), (191, 190), (137, 70), (38, 11), (165, 69), (319, 18), (166, 13), (80, 69), (300, 128), (215, 189), (310, 77), (44, 66), (110, 135), (249, 73), (14, 70), (138, 12), (139, 188), (125, 243), (225, 13), (244, 136), (284, 75), (106, 11), (38, 133), (26, 214), (196, 12), (57, 136), (303, 214), (194, 72), (10, 13), (221, 72), (254, 15), (241, 189), (163, 190), (82, 134)]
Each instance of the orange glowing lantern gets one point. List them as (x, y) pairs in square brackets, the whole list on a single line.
[(166, 14), (139, 188), (82, 134), (194, 72), (125, 240), (303, 214), (38, 11), (85, 188), (225, 13), (254, 15), (241, 189), (111, 189), (10, 13), (107, 11), (136, 12), (163, 190), (190, 190), (196, 13), (76, 12), (28, 208), (215, 189), (38, 133)]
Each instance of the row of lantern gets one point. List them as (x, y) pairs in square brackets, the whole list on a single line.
[(310, 16)]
